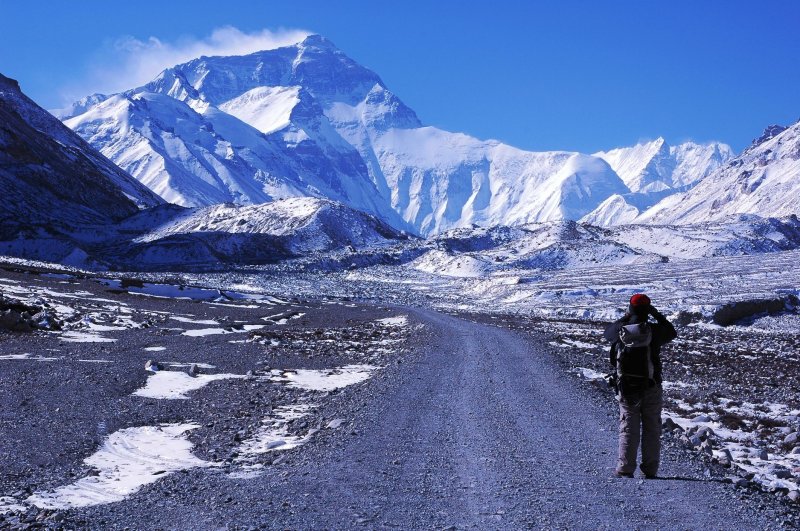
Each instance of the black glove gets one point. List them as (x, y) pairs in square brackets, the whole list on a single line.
[(655, 313)]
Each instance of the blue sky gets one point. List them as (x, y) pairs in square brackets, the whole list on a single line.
[(573, 75)]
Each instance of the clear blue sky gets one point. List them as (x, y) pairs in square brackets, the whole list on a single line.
[(568, 75)]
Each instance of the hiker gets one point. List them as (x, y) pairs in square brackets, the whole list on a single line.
[(635, 355)]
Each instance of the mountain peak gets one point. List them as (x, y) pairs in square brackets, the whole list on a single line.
[(770, 132), (317, 40), (7, 82)]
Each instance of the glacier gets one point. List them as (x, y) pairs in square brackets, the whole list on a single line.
[(306, 120)]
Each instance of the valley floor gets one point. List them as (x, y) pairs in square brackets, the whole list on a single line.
[(324, 414)]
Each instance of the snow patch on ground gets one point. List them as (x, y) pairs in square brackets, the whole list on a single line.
[(128, 460), (273, 433), (85, 337), (173, 385), (26, 356), (202, 332), (325, 379), (400, 320), (183, 319)]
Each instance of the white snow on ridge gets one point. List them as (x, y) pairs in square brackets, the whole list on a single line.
[(268, 109), (655, 165), (128, 460), (240, 121), (764, 180)]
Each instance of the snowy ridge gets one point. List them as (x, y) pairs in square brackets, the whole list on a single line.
[(764, 180), (655, 166), (306, 120), (212, 237), (567, 245), (52, 182)]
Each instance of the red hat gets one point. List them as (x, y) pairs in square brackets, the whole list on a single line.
[(640, 299)]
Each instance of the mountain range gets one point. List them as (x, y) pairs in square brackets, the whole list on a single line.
[(306, 120), (300, 152)]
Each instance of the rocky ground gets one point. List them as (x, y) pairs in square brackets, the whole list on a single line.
[(732, 394), (64, 392), (332, 413)]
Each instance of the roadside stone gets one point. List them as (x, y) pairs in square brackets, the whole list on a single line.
[(670, 425), (152, 366), (791, 439), (794, 495), (705, 432), (194, 370), (335, 423), (763, 454), (726, 459), (780, 472), (701, 418), (741, 482), (706, 447)]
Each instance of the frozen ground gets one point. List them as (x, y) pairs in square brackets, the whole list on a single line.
[(276, 372), (144, 381)]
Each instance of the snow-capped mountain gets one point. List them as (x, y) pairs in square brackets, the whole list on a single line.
[(652, 171), (51, 178), (245, 129), (306, 120), (483, 252), (210, 237), (656, 166), (763, 180)]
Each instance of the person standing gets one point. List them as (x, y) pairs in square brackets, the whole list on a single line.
[(636, 357)]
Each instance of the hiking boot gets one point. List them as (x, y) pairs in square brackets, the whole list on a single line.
[(624, 474)]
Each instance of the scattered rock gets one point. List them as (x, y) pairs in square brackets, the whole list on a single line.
[(670, 424), (701, 418), (763, 454), (741, 482), (780, 472), (152, 366), (793, 495), (726, 459), (706, 447), (194, 370), (791, 439), (335, 423), (705, 432)]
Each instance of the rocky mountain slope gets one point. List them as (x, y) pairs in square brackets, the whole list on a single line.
[(228, 235), (306, 120), (763, 180), (49, 176)]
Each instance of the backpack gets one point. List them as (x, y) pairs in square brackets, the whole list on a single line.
[(634, 360)]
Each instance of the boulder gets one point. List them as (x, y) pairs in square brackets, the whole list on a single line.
[(726, 459)]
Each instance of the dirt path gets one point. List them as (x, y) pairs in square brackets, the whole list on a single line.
[(478, 429)]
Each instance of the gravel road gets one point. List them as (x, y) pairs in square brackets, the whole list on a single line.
[(477, 427)]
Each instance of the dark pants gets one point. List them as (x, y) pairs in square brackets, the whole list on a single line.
[(640, 414)]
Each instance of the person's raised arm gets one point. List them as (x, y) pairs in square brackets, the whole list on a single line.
[(667, 331)]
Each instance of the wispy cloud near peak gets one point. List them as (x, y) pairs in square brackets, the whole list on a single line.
[(128, 62)]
